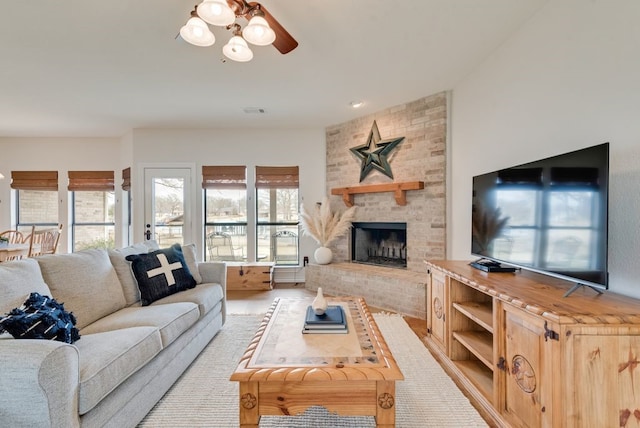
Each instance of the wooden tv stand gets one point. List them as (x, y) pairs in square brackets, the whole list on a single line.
[(531, 357)]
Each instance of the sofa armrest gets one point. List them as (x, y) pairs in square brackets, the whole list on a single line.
[(39, 383), (214, 272)]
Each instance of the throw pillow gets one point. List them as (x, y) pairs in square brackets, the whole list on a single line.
[(124, 272), (41, 317), (189, 252), (161, 273)]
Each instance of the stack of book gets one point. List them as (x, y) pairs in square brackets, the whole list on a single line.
[(332, 321)]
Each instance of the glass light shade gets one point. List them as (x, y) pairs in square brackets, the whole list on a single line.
[(237, 50), (196, 32), (216, 12), (258, 32)]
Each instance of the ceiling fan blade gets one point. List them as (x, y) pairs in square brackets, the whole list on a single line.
[(284, 42)]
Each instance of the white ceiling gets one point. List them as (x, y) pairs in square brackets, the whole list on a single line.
[(101, 68)]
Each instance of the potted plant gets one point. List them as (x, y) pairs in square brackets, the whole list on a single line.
[(325, 226)]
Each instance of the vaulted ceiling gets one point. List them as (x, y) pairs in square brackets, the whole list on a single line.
[(82, 68)]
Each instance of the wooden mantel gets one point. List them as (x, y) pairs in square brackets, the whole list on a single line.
[(399, 190)]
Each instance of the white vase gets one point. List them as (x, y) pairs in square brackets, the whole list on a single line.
[(323, 255), (319, 304)]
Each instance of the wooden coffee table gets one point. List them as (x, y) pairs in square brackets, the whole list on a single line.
[(283, 372)]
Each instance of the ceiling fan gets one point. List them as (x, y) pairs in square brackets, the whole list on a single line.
[(262, 29)]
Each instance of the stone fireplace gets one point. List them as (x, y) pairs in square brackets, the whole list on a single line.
[(420, 157), (379, 243)]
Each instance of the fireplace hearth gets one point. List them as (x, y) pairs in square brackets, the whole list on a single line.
[(379, 243)]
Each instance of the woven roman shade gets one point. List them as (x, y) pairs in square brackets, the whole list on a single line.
[(101, 181), (226, 177), (126, 179), (277, 177), (34, 180)]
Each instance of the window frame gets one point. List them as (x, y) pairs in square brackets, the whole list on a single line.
[(220, 178), (275, 179), (90, 181)]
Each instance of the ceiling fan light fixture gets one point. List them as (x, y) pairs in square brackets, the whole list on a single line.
[(258, 32), (237, 50), (216, 12), (196, 32)]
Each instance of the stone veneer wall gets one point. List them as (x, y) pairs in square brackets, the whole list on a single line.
[(420, 157), (397, 290)]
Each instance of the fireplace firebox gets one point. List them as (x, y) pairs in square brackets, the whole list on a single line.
[(379, 243)]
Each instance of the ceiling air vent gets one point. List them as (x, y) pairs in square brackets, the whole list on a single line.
[(254, 110)]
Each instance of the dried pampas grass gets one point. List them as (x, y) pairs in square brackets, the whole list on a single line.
[(323, 225)]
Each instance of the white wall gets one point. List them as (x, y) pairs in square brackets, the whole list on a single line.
[(568, 79), (267, 147), (303, 147), (54, 154)]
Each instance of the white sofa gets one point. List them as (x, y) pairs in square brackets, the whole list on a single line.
[(128, 355)]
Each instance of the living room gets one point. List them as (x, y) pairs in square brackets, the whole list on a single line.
[(562, 81), (563, 78)]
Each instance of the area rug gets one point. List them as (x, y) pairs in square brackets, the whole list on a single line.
[(204, 396)]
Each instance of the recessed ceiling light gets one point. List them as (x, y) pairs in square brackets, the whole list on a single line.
[(356, 104)]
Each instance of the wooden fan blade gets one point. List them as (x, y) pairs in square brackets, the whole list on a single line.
[(284, 42)]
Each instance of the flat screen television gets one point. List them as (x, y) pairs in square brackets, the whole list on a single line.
[(548, 216)]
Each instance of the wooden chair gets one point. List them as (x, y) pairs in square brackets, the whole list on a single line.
[(13, 237), (44, 241)]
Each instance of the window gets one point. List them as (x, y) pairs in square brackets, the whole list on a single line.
[(225, 207), (93, 206), (36, 199), (277, 214)]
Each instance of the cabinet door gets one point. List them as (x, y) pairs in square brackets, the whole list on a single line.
[(526, 370), (437, 312), (605, 391)]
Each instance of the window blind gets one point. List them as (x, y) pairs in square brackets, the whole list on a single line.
[(34, 180), (91, 181), (277, 177), (225, 176)]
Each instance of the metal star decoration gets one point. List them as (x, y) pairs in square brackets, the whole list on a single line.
[(374, 153)]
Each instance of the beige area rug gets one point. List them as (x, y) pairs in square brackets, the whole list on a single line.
[(204, 396)]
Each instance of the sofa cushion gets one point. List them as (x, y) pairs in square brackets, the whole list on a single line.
[(206, 296), (107, 359), (85, 281), (124, 272), (161, 273), (189, 252), (171, 320), (41, 317), (18, 279)]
